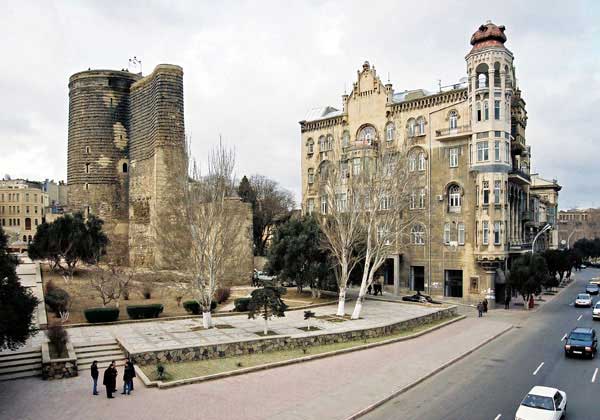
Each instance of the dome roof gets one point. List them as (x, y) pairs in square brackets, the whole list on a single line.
[(488, 35)]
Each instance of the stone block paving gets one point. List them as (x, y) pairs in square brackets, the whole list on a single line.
[(159, 335)]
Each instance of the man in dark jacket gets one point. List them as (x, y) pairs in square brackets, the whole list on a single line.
[(94, 371), (110, 380), (128, 374)]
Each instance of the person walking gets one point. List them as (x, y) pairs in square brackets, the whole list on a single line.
[(507, 300), (485, 305), (480, 309), (110, 380), (94, 373)]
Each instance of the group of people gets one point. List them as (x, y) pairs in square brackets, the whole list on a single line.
[(482, 307), (109, 379)]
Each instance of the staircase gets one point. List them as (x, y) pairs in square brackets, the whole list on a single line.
[(104, 353), (14, 365)]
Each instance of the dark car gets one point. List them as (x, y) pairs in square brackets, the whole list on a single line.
[(581, 342), (592, 289)]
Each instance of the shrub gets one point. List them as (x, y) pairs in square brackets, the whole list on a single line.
[(160, 371), (144, 311), (94, 315), (241, 304), (193, 307), (222, 294), (57, 299), (57, 337), (50, 286), (147, 291)]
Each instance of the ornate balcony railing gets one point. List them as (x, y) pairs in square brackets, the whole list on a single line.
[(459, 130)]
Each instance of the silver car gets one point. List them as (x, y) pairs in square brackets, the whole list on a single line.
[(583, 299)]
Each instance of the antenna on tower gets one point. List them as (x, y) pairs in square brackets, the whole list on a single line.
[(389, 77), (440, 85), (135, 65)]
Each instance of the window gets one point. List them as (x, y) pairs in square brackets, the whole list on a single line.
[(421, 125), (422, 198), (87, 186), (412, 162), (421, 161), (461, 233), (496, 192), (497, 110), (87, 150), (35, 222), (413, 200), (496, 233), (341, 201), (486, 232), (481, 80), (35, 209), (329, 142), (311, 176), (417, 234), (478, 108), (366, 135), (385, 202), (389, 132), (125, 168), (454, 157), (454, 198), (486, 110), (324, 204), (344, 170), (482, 151), (411, 128), (453, 120), (27, 209), (507, 152), (486, 192), (446, 233), (497, 150), (87, 168), (310, 205), (310, 146), (356, 166), (27, 197), (346, 139), (322, 145)]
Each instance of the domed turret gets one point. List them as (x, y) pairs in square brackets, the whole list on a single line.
[(488, 35)]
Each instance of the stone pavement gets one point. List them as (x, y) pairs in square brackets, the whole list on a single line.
[(330, 388)]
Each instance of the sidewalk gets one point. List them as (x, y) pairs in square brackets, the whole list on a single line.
[(332, 388)]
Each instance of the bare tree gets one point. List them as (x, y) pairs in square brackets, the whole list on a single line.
[(111, 282)]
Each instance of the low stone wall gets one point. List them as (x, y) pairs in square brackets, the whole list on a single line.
[(58, 368), (284, 342)]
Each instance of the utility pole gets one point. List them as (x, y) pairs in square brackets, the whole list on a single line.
[(544, 229)]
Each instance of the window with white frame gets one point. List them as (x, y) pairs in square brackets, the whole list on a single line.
[(422, 198), (329, 142), (446, 233), (356, 166), (344, 170), (482, 151), (385, 202), (411, 127), (507, 152), (324, 206), (497, 109), (322, 144), (346, 139), (486, 232), (497, 192), (486, 192), (486, 110), (310, 146), (497, 233), (341, 201), (454, 198), (421, 161), (417, 234), (413, 200), (461, 233), (421, 126), (311, 176), (453, 153), (497, 150), (453, 120), (389, 132), (366, 135), (310, 205), (412, 162)]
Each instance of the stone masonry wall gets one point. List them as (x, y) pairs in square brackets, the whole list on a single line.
[(239, 348)]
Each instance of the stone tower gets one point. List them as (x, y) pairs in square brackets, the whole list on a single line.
[(98, 141)]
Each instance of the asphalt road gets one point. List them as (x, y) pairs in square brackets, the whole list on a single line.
[(490, 383)]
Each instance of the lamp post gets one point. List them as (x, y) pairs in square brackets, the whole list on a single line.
[(569, 239), (544, 229)]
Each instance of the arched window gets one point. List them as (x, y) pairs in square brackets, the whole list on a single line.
[(454, 198), (366, 135), (125, 168), (411, 127), (324, 206), (478, 109), (453, 120), (421, 125), (346, 139), (29, 238), (27, 223), (508, 79), (481, 80), (322, 144), (482, 76), (497, 77), (87, 168), (329, 142), (324, 171), (421, 161), (486, 110), (311, 175), (417, 234), (24, 238), (389, 132), (412, 162)]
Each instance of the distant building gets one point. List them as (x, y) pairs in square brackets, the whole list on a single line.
[(576, 224), (544, 203)]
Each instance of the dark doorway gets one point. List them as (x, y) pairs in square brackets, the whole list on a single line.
[(417, 274), (388, 272), (27, 223), (453, 283)]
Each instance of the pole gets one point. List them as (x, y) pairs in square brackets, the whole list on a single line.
[(544, 229), (569, 238)]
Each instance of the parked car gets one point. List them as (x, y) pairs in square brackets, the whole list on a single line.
[(581, 342), (583, 266), (583, 299), (596, 311), (543, 402), (592, 289)]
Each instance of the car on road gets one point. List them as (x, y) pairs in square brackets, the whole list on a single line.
[(582, 266), (595, 280), (581, 342), (583, 299), (592, 289), (596, 311), (543, 403)]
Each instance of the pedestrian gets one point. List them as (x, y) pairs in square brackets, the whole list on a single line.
[(133, 375), (485, 305), (480, 309), (369, 288), (507, 300), (94, 372), (127, 378), (110, 379)]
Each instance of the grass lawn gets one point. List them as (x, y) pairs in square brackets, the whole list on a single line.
[(185, 370)]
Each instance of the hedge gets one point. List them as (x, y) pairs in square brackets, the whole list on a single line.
[(144, 311), (193, 307), (241, 304), (94, 315)]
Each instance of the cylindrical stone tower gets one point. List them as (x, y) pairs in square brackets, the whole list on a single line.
[(98, 150)]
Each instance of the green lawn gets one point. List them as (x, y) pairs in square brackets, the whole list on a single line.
[(185, 370)]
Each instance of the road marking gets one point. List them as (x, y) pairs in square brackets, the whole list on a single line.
[(564, 336), (498, 416), (579, 317), (538, 369), (594, 376)]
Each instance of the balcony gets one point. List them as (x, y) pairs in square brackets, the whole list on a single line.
[(519, 177), (451, 133), (516, 246), (518, 144)]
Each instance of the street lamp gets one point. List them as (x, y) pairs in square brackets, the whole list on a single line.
[(544, 229), (569, 238)]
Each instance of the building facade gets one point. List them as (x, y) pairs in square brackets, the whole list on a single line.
[(471, 205), (577, 224)]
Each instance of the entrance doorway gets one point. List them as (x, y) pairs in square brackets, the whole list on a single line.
[(453, 283), (388, 272), (417, 276)]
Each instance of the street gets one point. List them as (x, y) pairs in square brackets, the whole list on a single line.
[(490, 383)]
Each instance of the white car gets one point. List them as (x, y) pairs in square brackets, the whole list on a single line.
[(595, 280), (543, 403), (596, 311), (583, 299)]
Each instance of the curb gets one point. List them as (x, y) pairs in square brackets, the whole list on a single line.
[(408, 387), (222, 375)]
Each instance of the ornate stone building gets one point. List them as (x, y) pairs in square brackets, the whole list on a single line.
[(126, 164), (576, 224), (472, 205)]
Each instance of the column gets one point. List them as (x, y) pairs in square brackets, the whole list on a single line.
[(396, 274)]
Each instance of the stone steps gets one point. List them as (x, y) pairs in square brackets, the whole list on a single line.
[(104, 353), (20, 365)]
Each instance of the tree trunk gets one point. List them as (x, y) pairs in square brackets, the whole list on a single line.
[(207, 320), (266, 331), (342, 302)]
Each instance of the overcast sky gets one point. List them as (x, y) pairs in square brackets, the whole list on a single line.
[(253, 69)]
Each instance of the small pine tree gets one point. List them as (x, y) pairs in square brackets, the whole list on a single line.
[(267, 302)]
